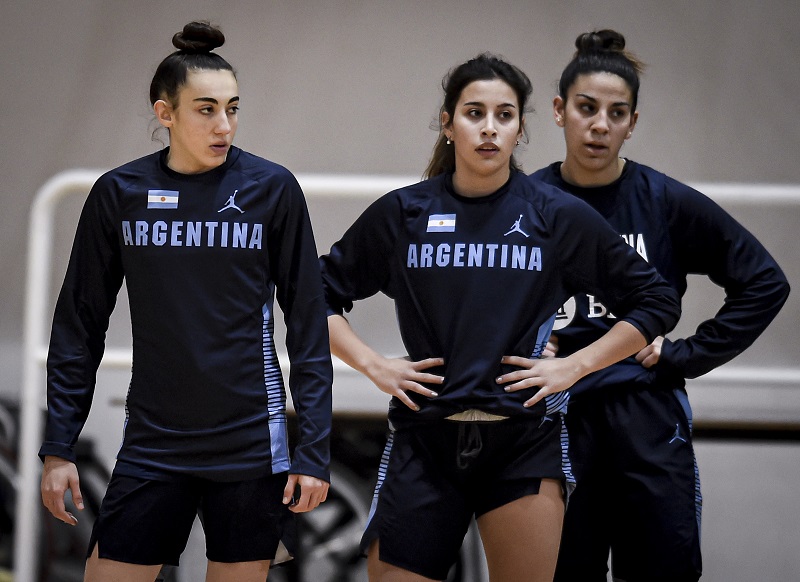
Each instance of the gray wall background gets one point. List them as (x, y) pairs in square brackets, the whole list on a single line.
[(353, 87)]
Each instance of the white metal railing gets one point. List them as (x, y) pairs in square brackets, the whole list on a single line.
[(38, 282)]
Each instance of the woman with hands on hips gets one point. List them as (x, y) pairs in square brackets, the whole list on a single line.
[(478, 258)]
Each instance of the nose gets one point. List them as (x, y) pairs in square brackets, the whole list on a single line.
[(488, 127), (600, 124), (223, 124)]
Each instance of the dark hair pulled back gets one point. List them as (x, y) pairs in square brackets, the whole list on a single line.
[(602, 51), (194, 43), (484, 67)]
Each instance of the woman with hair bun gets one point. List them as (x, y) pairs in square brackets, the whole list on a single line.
[(478, 258), (205, 236), (630, 425)]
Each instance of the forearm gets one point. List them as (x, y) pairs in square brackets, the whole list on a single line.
[(350, 348), (621, 341)]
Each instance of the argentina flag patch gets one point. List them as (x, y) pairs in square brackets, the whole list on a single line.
[(162, 198), (441, 223)]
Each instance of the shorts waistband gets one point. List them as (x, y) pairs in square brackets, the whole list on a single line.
[(474, 415)]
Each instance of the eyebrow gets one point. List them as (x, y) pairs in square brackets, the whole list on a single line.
[(590, 98), (214, 101), (480, 104)]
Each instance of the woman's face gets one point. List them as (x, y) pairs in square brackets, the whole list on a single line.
[(204, 121), (485, 127), (597, 119)]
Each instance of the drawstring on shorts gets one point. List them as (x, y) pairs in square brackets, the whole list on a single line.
[(470, 444)]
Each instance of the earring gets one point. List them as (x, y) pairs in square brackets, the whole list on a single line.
[(517, 142), (558, 119), (448, 141)]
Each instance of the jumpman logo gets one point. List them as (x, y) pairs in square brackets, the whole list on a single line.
[(677, 436), (516, 228), (231, 204)]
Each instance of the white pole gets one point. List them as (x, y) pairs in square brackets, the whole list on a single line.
[(32, 396)]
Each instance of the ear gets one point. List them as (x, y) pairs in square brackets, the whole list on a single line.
[(164, 113), (634, 119), (521, 132), (444, 121), (559, 110)]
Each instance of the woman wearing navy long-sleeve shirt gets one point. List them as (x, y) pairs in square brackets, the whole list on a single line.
[(629, 425), (478, 258), (206, 237)]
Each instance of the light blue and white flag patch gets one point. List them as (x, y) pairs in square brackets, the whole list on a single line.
[(441, 223), (162, 198)]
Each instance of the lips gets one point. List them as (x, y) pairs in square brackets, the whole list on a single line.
[(596, 147), (487, 149)]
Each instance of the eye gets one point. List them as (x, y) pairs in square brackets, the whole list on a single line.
[(474, 113), (233, 110), (207, 110), (587, 108)]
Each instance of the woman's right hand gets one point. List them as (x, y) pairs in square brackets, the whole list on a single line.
[(394, 376), (398, 376), (58, 477)]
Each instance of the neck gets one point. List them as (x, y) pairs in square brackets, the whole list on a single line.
[(577, 176), (476, 187)]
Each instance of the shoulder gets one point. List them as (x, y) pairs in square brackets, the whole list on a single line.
[(144, 166), (260, 169), (549, 174), (678, 195), (563, 214), (547, 196), (126, 175), (408, 198), (645, 178)]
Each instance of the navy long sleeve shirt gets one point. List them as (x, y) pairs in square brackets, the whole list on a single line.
[(203, 257), (679, 231), (475, 279)]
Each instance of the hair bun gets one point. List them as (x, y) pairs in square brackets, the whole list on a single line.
[(600, 40), (198, 37)]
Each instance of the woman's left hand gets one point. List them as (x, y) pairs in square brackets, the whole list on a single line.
[(551, 349), (313, 491), (550, 375)]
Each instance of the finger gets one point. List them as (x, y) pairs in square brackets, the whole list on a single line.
[(77, 497), (429, 378), (523, 384), (516, 361), (517, 376), (305, 503), (535, 398), (418, 388), (288, 491), (428, 363), (650, 360), (59, 511), (320, 491), (404, 398)]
